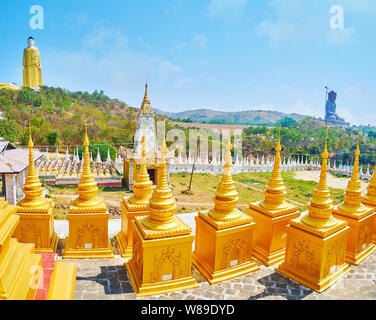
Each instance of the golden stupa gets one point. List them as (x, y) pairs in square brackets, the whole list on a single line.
[(271, 216), (224, 235), (36, 212), (162, 244), (21, 272), (359, 217), (88, 218), (137, 205), (316, 241), (369, 199)]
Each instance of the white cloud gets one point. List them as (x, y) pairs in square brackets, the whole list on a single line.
[(182, 82), (105, 61), (196, 41), (296, 22), (226, 9)]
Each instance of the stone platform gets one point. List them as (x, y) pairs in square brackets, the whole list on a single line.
[(107, 279)]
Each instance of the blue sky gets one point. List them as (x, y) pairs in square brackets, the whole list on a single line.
[(228, 55)]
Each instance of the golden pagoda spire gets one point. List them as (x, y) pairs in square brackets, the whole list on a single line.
[(143, 186), (146, 98), (370, 197), (321, 207), (87, 187), (275, 192), (162, 204), (32, 187), (353, 193), (226, 197), (145, 106)]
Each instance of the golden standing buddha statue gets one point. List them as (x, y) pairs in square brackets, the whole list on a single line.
[(162, 244), (316, 241), (32, 72), (36, 212), (359, 217), (137, 205), (224, 235), (88, 218), (271, 216)]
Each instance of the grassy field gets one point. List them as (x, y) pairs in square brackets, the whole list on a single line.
[(202, 192)]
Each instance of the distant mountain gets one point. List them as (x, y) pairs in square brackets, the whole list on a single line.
[(250, 117)]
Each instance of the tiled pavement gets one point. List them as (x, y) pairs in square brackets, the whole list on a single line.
[(108, 279)]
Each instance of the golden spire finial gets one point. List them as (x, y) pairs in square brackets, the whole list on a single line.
[(146, 98), (320, 207), (32, 187), (143, 186), (226, 197), (275, 192), (87, 187), (162, 204), (353, 192)]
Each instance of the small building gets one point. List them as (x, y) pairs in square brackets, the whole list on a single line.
[(14, 163)]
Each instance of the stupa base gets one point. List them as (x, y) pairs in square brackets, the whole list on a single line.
[(37, 226), (149, 289), (125, 250), (320, 286), (54, 242), (125, 236), (162, 264), (270, 232), (225, 274), (87, 253), (223, 250), (359, 257), (359, 243), (268, 258), (315, 257)]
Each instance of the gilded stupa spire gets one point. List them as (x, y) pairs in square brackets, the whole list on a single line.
[(321, 206), (162, 204), (32, 187), (145, 106), (353, 192), (370, 196), (226, 197), (275, 192), (143, 186), (87, 187)]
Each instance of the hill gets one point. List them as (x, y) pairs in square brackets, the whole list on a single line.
[(56, 117), (250, 117)]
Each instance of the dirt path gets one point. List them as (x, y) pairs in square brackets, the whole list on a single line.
[(333, 182)]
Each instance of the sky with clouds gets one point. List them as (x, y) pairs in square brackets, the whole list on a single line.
[(228, 55)]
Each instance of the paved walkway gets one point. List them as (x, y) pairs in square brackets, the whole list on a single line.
[(108, 279)]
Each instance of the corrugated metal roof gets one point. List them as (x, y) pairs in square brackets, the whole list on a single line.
[(16, 160)]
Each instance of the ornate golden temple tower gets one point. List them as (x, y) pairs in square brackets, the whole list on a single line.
[(36, 212), (137, 205), (271, 216), (316, 241), (162, 244), (224, 235), (32, 72), (360, 218), (88, 218), (369, 199)]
